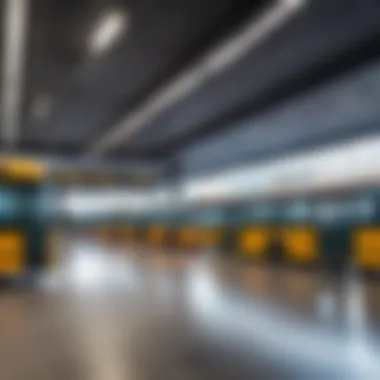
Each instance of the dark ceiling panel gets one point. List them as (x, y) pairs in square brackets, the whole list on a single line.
[(56, 31), (327, 35), (163, 36)]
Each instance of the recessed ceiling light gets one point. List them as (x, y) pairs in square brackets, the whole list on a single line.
[(108, 31)]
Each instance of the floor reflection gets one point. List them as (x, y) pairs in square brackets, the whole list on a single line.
[(118, 313)]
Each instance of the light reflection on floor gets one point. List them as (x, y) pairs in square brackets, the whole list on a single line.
[(117, 313)]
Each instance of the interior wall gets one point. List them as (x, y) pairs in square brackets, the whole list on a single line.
[(343, 109)]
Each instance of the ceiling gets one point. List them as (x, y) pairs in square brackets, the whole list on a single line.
[(89, 94), (72, 98)]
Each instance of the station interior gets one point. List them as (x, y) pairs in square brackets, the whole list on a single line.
[(189, 189)]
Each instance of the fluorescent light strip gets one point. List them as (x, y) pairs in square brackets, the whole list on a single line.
[(108, 31), (14, 32), (210, 65)]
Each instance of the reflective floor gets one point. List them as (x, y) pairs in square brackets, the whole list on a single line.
[(114, 313)]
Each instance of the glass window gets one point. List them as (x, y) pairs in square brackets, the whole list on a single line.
[(297, 211), (11, 203), (347, 210)]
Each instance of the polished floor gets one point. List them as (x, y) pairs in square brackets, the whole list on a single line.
[(114, 313)]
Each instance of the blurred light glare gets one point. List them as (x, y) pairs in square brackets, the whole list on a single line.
[(85, 202), (343, 164), (203, 290), (108, 30), (87, 269)]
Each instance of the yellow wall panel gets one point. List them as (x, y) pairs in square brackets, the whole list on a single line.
[(12, 252), (156, 235), (366, 247), (209, 237), (187, 236), (22, 168), (255, 241), (300, 244), (129, 233)]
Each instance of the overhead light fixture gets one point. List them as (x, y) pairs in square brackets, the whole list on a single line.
[(107, 31)]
